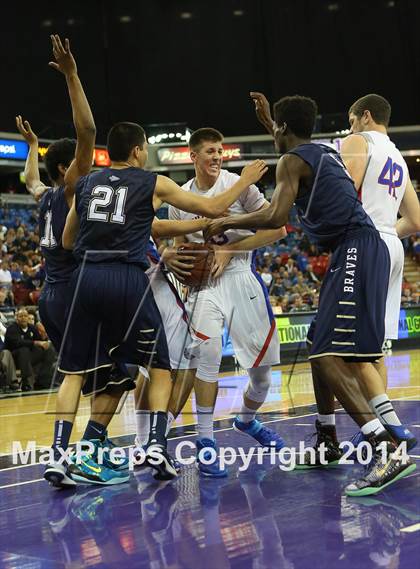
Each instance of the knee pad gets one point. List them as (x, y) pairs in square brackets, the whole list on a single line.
[(258, 384), (209, 360)]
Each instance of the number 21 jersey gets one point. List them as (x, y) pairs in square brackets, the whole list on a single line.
[(115, 209)]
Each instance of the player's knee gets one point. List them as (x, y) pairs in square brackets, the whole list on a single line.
[(259, 383), (210, 358)]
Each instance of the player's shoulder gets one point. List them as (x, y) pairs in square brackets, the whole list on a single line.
[(356, 140), (228, 178)]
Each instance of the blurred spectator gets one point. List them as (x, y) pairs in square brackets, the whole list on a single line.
[(16, 272), (310, 275), (8, 379), (5, 275), (266, 276), (33, 356), (299, 305), (6, 299)]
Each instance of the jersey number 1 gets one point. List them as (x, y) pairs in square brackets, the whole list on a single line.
[(394, 179), (104, 196), (48, 239)]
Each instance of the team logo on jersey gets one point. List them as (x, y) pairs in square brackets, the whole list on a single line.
[(351, 261)]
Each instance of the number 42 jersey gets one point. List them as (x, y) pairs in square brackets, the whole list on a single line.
[(115, 209), (385, 181)]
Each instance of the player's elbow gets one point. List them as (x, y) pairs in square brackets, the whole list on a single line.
[(87, 130), (274, 220), (68, 240), (212, 211)]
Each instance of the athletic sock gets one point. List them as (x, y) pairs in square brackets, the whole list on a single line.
[(171, 419), (94, 430), (246, 415), (373, 427), (205, 422), (158, 423), (142, 426), (62, 432), (384, 410), (327, 419)]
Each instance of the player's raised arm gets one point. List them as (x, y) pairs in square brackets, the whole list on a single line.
[(71, 229), (32, 178), (167, 191), (409, 223), (263, 112), (290, 169), (354, 152), (162, 228), (82, 115)]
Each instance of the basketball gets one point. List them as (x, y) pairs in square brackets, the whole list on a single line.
[(202, 256)]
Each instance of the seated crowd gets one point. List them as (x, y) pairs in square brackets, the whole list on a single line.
[(292, 271)]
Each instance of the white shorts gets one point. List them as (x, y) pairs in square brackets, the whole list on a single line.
[(239, 300), (175, 321), (393, 300)]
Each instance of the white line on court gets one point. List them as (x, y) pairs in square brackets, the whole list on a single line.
[(192, 435), (411, 529), (171, 439)]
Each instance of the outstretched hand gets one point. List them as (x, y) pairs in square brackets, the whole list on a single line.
[(222, 258), (64, 60), (26, 131), (214, 227), (262, 108)]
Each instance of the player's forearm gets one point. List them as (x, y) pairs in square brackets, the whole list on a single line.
[(264, 219), (219, 204), (172, 228), (32, 178), (269, 126), (259, 239), (71, 229), (82, 114), (406, 227)]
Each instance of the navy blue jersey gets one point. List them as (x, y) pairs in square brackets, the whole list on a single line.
[(329, 209), (59, 263), (115, 208), (152, 252)]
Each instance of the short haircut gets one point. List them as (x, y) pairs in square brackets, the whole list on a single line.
[(122, 138), (378, 106), (60, 152), (204, 135), (299, 113)]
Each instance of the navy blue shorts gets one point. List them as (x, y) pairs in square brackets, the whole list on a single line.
[(351, 316), (112, 318), (52, 305)]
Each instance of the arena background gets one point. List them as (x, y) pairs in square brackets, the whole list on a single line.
[(174, 66)]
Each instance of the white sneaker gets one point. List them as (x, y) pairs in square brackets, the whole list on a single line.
[(58, 475)]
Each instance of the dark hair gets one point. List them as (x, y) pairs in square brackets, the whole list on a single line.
[(378, 106), (299, 113), (204, 135), (122, 138), (60, 152)]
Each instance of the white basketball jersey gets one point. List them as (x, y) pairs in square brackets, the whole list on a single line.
[(385, 181), (250, 200)]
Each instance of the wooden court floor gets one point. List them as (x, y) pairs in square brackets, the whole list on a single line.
[(31, 417)]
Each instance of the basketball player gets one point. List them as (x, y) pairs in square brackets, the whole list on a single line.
[(237, 298), (351, 315), (380, 175), (66, 160), (113, 318), (175, 323)]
